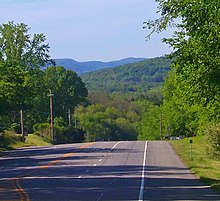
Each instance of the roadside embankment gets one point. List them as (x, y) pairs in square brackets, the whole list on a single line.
[(208, 170), (8, 143)]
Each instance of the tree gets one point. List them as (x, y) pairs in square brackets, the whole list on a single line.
[(196, 70), (106, 123), (150, 126), (67, 87), (17, 48), (21, 59)]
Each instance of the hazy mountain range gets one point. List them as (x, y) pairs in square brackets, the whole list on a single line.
[(89, 66)]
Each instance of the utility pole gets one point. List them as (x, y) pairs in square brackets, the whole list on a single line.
[(51, 115), (161, 126), (69, 117), (87, 137), (22, 124), (75, 123), (190, 149)]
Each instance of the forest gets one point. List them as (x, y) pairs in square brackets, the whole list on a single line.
[(134, 78)]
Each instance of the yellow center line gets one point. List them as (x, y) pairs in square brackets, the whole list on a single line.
[(23, 194), (64, 156), (20, 190)]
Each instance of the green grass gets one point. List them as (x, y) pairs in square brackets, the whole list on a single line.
[(31, 140), (208, 170), (35, 140)]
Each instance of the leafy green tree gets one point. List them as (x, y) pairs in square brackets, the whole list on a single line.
[(112, 121), (67, 87), (63, 134), (72, 135), (125, 129), (21, 57), (112, 113), (151, 125), (92, 120), (195, 90), (17, 48), (212, 141)]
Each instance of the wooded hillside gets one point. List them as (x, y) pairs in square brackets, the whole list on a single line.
[(138, 77)]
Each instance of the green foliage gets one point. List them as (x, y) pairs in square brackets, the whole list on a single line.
[(212, 141), (151, 125), (9, 138), (10, 134), (71, 135), (178, 121), (41, 126), (24, 85), (92, 122), (131, 78), (115, 119), (67, 87), (43, 130), (17, 48), (125, 129), (207, 169), (192, 90), (62, 133), (21, 58), (5, 122), (59, 128)]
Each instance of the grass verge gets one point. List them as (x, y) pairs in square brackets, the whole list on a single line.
[(208, 170), (35, 140), (31, 140)]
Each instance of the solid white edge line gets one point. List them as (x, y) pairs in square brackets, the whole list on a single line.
[(141, 193), (115, 145)]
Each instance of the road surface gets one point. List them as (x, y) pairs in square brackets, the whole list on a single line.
[(126, 170)]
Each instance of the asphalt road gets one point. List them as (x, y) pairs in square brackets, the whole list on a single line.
[(99, 171)]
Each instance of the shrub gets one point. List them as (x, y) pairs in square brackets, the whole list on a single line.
[(212, 141), (11, 135), (42, 130), (71, 135)]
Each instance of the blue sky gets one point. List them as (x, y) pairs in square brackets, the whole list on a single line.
[(86, 30)]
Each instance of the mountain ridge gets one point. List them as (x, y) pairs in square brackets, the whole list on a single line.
[(136, 77), (89, 66)]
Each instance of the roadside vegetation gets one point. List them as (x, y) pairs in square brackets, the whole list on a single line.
[(25, 84), (11, 140), (206, 168), (191, 93)]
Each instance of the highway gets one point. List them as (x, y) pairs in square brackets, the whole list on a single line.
[(124, 170)]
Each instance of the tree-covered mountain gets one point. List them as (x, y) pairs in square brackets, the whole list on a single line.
[(89, 66), (136, 77)]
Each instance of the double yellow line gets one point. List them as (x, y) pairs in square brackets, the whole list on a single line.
[(22, 193)]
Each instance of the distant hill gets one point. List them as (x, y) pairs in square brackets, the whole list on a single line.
[(136, 77), (89, 66)]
